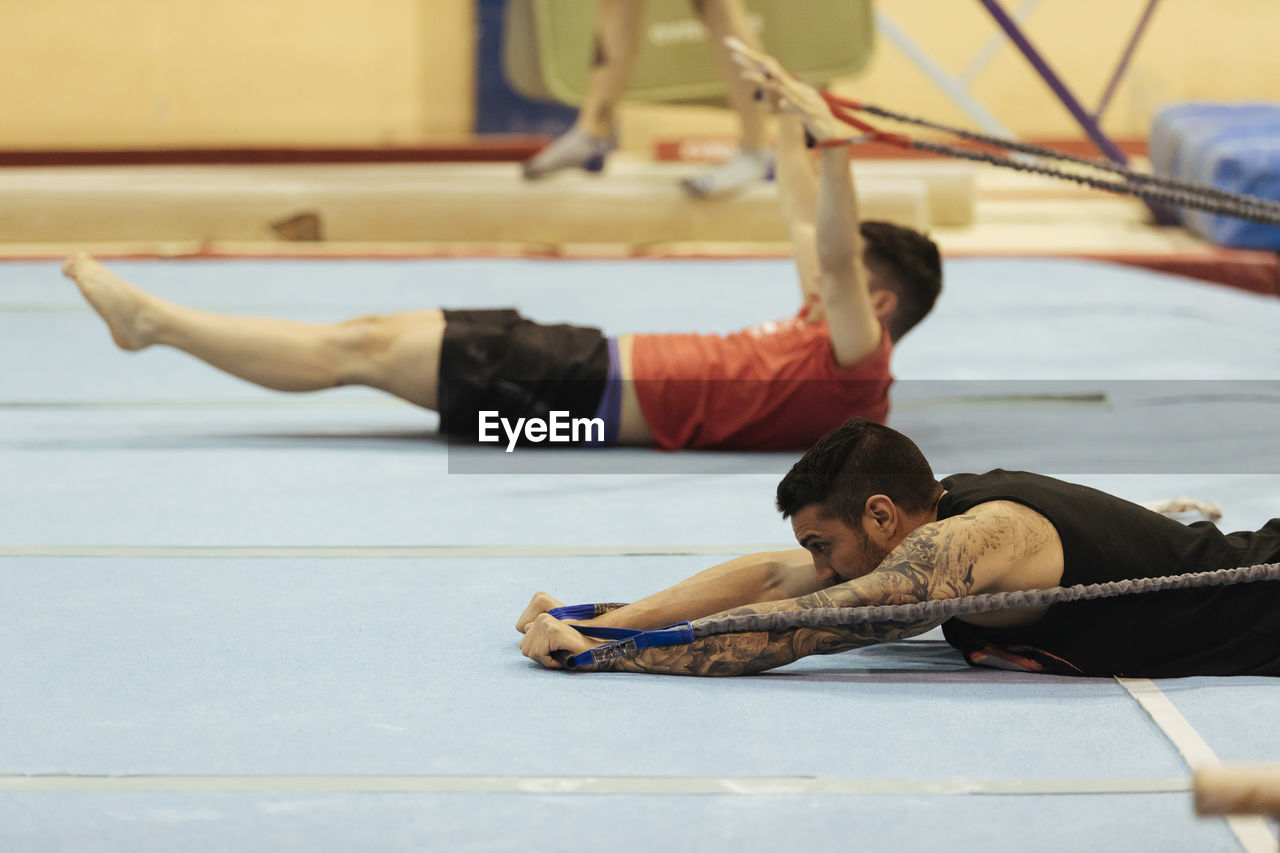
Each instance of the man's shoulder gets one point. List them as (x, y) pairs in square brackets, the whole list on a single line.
[(998, 497), (1006, 545)]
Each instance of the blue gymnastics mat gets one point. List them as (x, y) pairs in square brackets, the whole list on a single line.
[(235, 619)]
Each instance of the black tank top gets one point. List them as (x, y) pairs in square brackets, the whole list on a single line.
[(1232, 630)]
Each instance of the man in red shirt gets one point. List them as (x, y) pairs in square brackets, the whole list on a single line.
[(779, 385)]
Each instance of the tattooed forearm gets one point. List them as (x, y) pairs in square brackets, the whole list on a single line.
[(756, 651)]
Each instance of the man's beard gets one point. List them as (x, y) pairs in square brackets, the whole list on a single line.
[(872, 554)]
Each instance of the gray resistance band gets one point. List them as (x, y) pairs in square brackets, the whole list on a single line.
[(942, 609)]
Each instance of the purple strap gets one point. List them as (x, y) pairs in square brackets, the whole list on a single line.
[(610, 408)]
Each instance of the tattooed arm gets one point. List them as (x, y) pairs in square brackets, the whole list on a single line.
[(827, 240), (964, 555), (918, 569)]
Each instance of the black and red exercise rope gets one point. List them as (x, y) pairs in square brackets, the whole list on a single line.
[(1153, 188)]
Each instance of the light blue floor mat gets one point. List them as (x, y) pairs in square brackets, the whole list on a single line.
[(352, 612)]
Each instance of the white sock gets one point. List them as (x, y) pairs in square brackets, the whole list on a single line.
[(1186, 510), (746, 167), (573, 149)]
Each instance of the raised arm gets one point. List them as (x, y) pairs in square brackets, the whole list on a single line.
[(798, 197), (827, 242)]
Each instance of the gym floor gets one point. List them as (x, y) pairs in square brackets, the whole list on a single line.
[(236, 618)]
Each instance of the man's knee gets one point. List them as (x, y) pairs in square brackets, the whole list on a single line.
[(359, 344), (360, 334)]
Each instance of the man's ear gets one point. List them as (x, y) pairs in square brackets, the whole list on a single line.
[(880, 517), (883, 303)]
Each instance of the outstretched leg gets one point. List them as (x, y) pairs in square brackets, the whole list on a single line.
[(399, 353)]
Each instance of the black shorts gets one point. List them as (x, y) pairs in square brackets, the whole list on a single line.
[(496, 360)]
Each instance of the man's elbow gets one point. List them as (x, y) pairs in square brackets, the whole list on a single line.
[(791, 576), (837, 264)]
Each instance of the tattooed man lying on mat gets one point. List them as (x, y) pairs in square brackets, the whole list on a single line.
[(877, 528)]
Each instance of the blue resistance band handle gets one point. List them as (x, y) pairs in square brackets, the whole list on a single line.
[(626, 643), (582, 611)]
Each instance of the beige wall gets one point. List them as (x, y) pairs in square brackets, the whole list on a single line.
[(147, 73), (144, 73)]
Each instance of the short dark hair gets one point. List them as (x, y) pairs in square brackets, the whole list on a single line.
[(854, 461), (909, 263)]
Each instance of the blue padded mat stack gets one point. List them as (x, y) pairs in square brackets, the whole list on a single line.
[(1233, 147)]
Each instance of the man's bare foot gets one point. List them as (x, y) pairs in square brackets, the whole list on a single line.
[(124, 307)]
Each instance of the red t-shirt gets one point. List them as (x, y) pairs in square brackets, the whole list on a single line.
[(770, 387)]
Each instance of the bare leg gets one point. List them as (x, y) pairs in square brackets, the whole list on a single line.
[(754, 160), (724, 18), (617, 43), (614, 51), (399, 354)]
